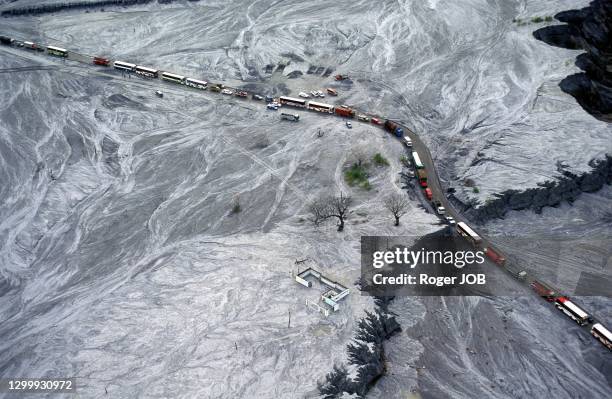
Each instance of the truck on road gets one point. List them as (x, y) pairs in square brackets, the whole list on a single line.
[(290, 117), (572, 310), (394, 128), (495, 256), (344, 111), (101, 61), (543, 290), (422, 175)]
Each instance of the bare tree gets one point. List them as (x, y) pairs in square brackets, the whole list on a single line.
[(398, 205), (360, 154), (330, 207)]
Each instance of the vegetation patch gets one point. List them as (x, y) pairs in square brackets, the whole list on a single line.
[(380, 160), (357, 175)]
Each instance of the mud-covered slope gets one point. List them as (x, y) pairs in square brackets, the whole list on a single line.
[(590, 29), (566, 188)]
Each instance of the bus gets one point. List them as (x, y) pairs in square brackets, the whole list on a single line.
[(570, 309), (294, 102), (56, 51), (198, 84), (173, 78), (144, 71), (602, 334), (124, 66), (417, 160), (321, 107), (466, 231)]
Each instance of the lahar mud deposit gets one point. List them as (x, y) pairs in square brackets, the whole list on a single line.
[(148, 242)]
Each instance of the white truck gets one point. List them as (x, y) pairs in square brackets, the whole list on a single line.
[(290, 117)]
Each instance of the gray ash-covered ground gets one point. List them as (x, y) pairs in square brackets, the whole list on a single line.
[(122, 263)]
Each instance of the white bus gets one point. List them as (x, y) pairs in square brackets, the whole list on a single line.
[(173, 78), (321, 107), (198, 84), (417, 160), (57, 51), (467, 232), (124, 66), (144, 71), (294, 102), (570, 309), (602, 334)]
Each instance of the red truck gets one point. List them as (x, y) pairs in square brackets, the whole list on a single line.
[(543, 290), (494, 256), (428, 193), (344, 111), (422, 175), (332, 92), (101, 61)]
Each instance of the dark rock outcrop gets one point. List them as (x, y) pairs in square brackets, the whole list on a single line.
[(366, 353), (550, 193), (590, 29)]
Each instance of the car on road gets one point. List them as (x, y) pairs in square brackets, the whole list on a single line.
[(349, 125), (242, 94), (273, 107), (257, 97), (450, 220), (314, 93), (303, 95), (158, 93), (441, 210), (331, 91), (227, 92), (376, 121), (320, 93), (269, 99), (407, 142), (363, 118)]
